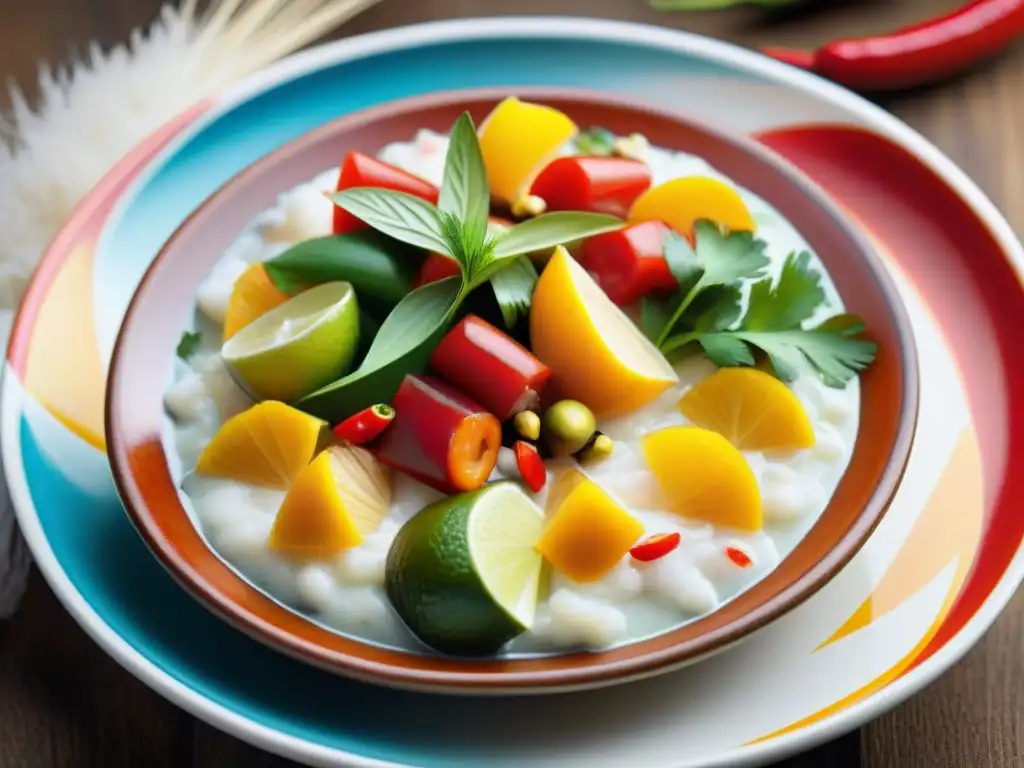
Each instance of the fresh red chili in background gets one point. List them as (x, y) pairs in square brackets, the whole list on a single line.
[(440, 437), (598, 184), (436, 267), (630, 262), (491, 367), (919, 54), (359, 170), (655, 547), (531, 466), (365, 426)]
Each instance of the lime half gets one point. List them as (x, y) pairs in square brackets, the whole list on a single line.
[(299, 346), (463, 573)]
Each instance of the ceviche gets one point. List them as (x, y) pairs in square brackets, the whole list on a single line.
[(517, 389)]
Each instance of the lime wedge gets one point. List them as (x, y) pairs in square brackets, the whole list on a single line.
[(299, 346), (463, 573)]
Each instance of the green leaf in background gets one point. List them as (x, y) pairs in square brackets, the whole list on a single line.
[(552, 229), (402, 346), (513, 289), (404, 217), (376, 265), (682, 262), (465, 193), (188, 344)]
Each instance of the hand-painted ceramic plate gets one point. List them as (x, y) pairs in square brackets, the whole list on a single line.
[(144, 358), (933, 576)]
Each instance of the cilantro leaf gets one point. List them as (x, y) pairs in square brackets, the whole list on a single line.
[(654, 316), (513, 289), (725, 350), (722, 259), (188, 345), (787, 302)]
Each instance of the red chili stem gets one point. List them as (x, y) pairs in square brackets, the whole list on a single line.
[(366, 426), (919, 54), (531, 466)]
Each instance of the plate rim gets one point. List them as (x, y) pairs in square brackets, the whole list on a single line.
[(542, 27)]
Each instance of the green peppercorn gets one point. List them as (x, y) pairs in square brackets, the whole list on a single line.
[(567, 426), (599, 449), (527, 424)]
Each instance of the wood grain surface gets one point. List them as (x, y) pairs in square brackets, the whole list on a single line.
[(64, 704)]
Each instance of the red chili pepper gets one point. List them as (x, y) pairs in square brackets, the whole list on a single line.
[(491, 367), (440, 437), (655, 547), (359, 170), (531, 466), (598, 184), (365, 426), (630, 262), (918, 54), (739, 557), (436, 267)]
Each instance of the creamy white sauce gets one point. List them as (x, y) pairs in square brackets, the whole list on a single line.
[(634, 600)]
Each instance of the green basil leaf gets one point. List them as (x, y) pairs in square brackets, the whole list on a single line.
[(465, 193), (376, 265), (552, 229), (404, 217), (513, 289), (403, 345)]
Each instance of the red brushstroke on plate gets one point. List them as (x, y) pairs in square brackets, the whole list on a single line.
[(956, 263)]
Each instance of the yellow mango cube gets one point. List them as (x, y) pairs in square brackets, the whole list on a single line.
[(704, 477), (339, 498), (587, 533), (683, 202), (517, 140)]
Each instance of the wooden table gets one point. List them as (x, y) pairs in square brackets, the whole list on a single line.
[(64, 703)]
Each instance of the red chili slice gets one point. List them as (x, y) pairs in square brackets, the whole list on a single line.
[(359, 170), (365, 426), (531, 466), (738, 557), (599, 184), (655, 547)]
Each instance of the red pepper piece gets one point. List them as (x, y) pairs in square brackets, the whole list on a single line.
[(491, 367), (738, 557), (919, 54), (598, 184), (630, 262), (655, 547), (365, 426), (440, 437), (436, 267), (531, 466), (359, 170)]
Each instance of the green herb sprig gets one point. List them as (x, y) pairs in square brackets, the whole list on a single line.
[(708, 310), (456, 227)]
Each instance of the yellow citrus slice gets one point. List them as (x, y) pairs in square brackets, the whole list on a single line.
[(704, 477), (681, 203), (335, 501), (253, 295), (588, 532), (517, 140), (753, 409), (596, 354), (266, 445)]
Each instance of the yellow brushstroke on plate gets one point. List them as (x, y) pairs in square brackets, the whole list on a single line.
[(948, 530), (63, 369)]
